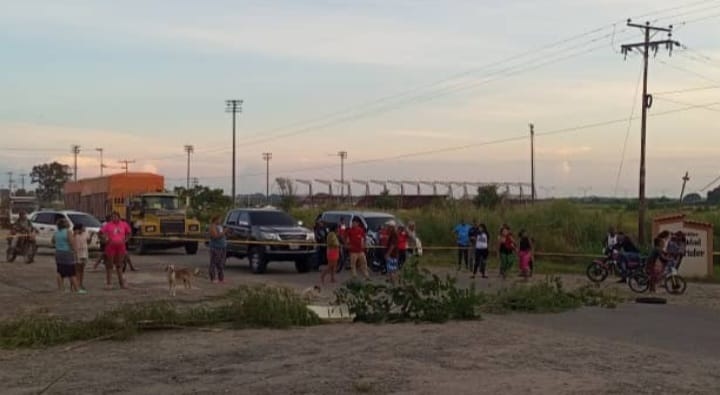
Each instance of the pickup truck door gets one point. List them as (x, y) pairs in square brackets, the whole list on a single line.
[(239, 232)]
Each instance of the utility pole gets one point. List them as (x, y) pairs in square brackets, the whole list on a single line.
[(189, 149), (233, 106), (343, 156), (75, 152), (645, 47), (125, 165), (10, 181), (195, 182), (102, 164), (22, 181), (266, 157), (685, 179), (532, 163)]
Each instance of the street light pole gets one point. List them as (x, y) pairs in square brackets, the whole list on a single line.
[(189, 149), (266, 157), (102, 164), (343, 156), (233, 106)]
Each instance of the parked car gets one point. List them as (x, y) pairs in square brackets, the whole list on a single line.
[(45, 222), (269, 235)]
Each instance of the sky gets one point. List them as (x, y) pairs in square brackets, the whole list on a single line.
[(412, 90)]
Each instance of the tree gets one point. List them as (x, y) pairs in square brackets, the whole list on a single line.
[(287, 193), (204, 201), (385, 201), (50, 177), (487, 196), (713, 197)]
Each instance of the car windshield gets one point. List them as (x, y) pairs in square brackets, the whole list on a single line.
[(374, 223), (84, 220), (160, 203), (271, 218)]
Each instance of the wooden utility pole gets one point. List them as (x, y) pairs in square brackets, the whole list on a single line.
[(532, 163), (266, 157), (125, 165), (189, 149), (233, 106), (343, 156), (645, 47), (75, 152), (685, 179)]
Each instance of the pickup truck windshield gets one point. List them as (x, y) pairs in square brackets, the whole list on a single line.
[(271, 218)]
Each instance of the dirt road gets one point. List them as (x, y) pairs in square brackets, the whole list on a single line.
[(635, 349)]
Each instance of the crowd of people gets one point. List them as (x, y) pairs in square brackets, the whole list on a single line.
[(340, 243), (665, 256), (473, 249)]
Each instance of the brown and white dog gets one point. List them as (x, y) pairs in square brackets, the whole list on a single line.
[(175, 275), (311, 293)]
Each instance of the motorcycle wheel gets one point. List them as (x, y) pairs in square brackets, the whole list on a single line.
[(675, 285), (596, 273), (639, 283), (30, 255)]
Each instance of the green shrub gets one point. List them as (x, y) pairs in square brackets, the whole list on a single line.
[(243, 307), (419, 296)]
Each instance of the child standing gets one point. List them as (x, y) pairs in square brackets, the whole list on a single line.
[(525, 254), (333, 254), (482, 239), (80, 245), (506, 250), (402, 245), (655, 263)]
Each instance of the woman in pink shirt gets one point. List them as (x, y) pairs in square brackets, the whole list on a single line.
[(116, 234)]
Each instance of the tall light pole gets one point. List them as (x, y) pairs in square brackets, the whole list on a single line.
[(532, 162), (23, 175), (102, 164), (266, 157), (189, 149), (343, 156), (233, 106), (75, 152)]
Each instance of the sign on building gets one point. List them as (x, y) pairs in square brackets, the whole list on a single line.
[(698, 260)]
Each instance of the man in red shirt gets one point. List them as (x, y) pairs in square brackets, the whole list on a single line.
[(402, 245), (356, 245)]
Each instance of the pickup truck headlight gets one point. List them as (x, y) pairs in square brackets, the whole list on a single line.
[(150, 229), (269, 236), (194, 228), (310, 236)]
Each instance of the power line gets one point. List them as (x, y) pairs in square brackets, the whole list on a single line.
[(677, 91), (686, 70), (707, 107), (627, 133)]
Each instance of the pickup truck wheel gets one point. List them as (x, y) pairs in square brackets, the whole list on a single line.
[(303, 265), (191, 248), (257, 261)]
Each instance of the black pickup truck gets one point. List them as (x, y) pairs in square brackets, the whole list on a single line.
[(265, 235)]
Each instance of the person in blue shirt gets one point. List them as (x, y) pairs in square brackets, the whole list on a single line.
[(462, 238)]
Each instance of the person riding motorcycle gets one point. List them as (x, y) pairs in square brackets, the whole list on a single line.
[(628, 253), (22, 228)]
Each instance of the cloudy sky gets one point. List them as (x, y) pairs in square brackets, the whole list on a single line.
[(411, 89)]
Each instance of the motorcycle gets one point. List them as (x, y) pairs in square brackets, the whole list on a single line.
[(599, 269), (25, 247)]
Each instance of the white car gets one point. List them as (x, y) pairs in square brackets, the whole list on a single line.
[(45, 222)]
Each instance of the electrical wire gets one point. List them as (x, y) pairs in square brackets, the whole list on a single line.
[(682, 103), (518, 137), (627, 133), (678, 91)]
